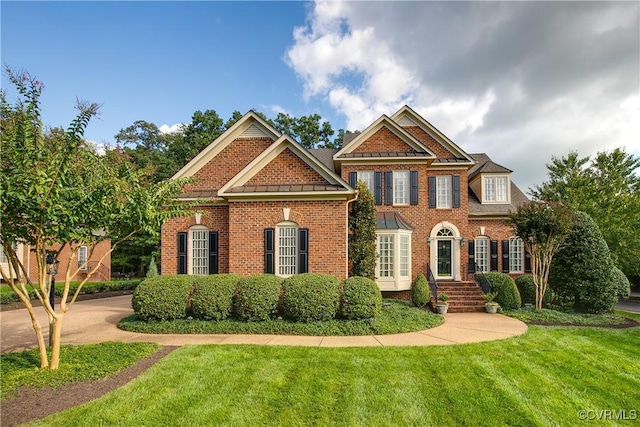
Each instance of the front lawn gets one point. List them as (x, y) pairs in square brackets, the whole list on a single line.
[(555, 317), (398, 317), (545, 377)]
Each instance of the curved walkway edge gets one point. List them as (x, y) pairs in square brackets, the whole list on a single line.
[(95, 321)]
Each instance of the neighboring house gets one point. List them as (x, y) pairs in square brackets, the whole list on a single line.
[(103, 273), (274, 207)]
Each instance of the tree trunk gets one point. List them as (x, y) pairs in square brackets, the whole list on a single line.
[(55, 342), (42, 348)]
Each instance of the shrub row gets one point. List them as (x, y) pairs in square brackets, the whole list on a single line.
[(507, 293), (304, 297), (88, 288)]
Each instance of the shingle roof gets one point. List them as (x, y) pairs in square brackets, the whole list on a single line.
[(325, 155), (478, 209), (392, 221), (485, 165)]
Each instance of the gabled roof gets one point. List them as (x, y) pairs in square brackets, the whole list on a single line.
[(408, 114), (485, 165), (384, 121), (249, 124), (334, 185)]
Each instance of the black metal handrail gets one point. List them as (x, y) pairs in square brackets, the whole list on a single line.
[(433, 285), (481, 280)]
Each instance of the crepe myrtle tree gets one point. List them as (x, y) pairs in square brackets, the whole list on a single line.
[(56, 193)]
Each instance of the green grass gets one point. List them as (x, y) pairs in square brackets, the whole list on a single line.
[(544, 377), (628, 314), (397, 318), (77, 363), (529, 315)]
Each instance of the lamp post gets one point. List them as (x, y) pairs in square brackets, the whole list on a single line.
[(52, 269)]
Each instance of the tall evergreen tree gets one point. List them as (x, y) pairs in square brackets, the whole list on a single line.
[(362, 236)]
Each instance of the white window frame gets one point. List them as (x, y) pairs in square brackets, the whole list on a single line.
[(83, 253), (368, 177), (516, 255), (481, 255), (444, 193), (198, 251), (496, 189), (393, 266), (401, 186), (286, 249)]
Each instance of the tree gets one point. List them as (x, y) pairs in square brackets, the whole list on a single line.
[(62, 195), (608, 190), (543, 228), (362, 236), (307, 130), (202, 131)]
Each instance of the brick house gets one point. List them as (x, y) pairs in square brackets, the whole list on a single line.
[(275, 207)]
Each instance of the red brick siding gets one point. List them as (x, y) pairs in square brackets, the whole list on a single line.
[(428, 141), (495, 229), (383, 140), (287, 168)]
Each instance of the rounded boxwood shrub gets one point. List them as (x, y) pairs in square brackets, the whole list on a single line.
[(212, 297), (361, 298), (623, 286), (311, 296), (527, 290), (162, 297), (508, 296), (257, 297), (420, 292)]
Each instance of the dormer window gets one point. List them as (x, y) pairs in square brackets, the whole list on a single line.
[(495, 189)]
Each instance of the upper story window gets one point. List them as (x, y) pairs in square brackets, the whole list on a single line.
[(82, 257), (368, 178), (400, 187), (496, 189), (443, 192)]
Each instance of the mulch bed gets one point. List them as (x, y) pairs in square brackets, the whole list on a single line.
[(32, 404), (628, 323)]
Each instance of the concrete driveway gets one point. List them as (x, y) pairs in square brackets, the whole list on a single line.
[(95, 321)]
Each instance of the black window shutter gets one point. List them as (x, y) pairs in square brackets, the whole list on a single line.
[(182, 252), (494, 255), (388, 197), (378, 187), (455, 183), (432, 192), (303, 251), (414, 187), (505, 256), (353, 179), (471, 266), (527, 262), (213, 252), (269, 251)]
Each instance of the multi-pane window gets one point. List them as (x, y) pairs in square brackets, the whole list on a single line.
[(443, 192), (401, 187), (368, 178), (482, 254), (200, 252), (516, 253), (287, 250), (82, 257), (405, 258), (495, 189), (385, 246)]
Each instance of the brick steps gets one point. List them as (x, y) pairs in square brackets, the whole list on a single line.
[(464, 297)]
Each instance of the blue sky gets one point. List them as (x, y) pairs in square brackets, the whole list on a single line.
[(522, 81)]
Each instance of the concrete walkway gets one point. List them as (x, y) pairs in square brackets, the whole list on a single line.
[(95, 321)]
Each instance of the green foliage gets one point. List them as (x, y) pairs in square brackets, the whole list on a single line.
[(212, 297), (362, 236), (527, 290), (257, 297), (307, 130), (623, 287), (567, 318), (508, 296), (420, 292), (582, 270), (361, 298), (311, 296), (162, 297), (443, 298), (152, 271)]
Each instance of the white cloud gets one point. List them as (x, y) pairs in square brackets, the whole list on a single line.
[(522, 81), (176, 128)]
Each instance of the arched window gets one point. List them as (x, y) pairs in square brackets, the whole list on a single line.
[(445, 232)]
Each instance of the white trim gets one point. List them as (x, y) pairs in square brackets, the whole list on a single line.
[(82, 259), (495, 177), (395, 282), (190, 249), (455, 250), (407, 189), (293, 257)]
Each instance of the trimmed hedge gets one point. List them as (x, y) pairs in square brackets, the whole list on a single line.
[(508, 296), (623, 287), (257, 297), (212, 297), (361, 298), (311, 296), (162, 297), (527, 290), (420, 292)]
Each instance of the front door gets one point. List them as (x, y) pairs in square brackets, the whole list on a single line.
[(444, 259)]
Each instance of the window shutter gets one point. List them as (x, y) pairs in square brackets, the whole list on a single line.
[(432, 192), (389, 193), (213, 252), (505, 256), (353, 179), (471, 266), (527, 262), (414, 187), (455, 183), (303, 251), (182, 253), (269, 251), (378, 187), (494, 255)]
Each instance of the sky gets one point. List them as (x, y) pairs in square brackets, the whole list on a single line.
[(520, 81)]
